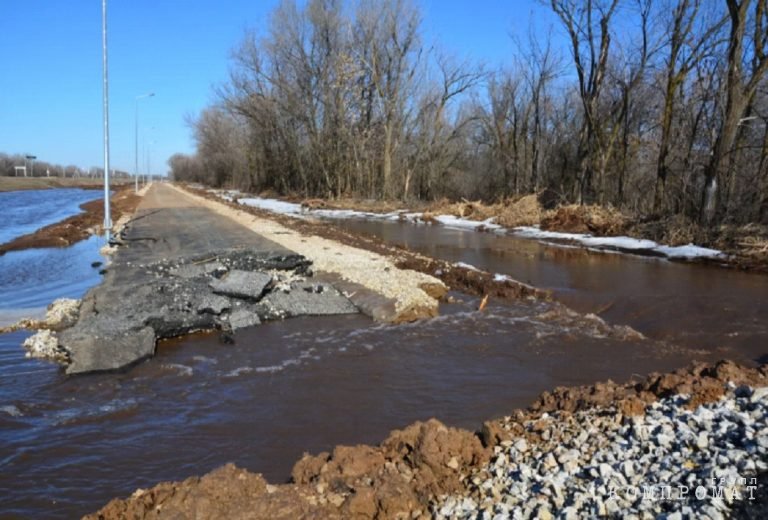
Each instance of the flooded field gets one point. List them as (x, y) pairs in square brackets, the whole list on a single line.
[(27, 211), (69, 444)]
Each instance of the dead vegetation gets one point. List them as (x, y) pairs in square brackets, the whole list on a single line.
[(593, 219), (510, 212)]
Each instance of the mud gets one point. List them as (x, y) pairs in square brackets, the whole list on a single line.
[(399, 477), (78, 227)]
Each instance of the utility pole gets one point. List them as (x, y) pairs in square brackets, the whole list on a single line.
[(136, 139), (105, 74)]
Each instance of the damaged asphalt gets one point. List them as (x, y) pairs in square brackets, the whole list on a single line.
[(180, 268)]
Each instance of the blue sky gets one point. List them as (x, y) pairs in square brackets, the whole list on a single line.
[(50, 50)]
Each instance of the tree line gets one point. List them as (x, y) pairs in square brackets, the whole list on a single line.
[(38, 168), (657, 107)]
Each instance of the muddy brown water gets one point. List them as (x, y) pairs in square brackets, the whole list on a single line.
[(68, 445), (698, 306)]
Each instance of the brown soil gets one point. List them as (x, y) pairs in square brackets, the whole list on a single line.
[(77, 227), (399, 477)]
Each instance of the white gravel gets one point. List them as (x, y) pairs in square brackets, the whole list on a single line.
[(672, 462), (45, 345)]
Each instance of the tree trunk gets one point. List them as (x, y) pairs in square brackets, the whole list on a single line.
[(386, 168)]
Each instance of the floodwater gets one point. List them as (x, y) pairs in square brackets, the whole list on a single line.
[(69, 444), (33, 278), (698, 306), (26, 211)]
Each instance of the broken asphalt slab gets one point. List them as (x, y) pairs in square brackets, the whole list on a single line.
[(116, 332), (183, 268)]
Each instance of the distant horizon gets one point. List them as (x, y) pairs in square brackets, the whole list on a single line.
[(50, 100)]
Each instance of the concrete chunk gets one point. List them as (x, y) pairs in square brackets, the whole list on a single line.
[(195, 270), (107, 351), (242, 318), (308, 299), (213, 304), (242, 284)]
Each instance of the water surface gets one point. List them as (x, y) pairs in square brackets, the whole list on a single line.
[(26, 211)]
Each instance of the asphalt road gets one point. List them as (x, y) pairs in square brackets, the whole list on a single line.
[(169, 223)]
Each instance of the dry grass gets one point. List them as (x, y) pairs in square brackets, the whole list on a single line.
[(511, 212), (756, 247), (525, 211), (598, 220)]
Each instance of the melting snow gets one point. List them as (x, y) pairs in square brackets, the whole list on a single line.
[(625, 243), (450, 221)]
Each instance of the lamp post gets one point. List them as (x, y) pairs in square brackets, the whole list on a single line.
[(136, 139), (107, 216)]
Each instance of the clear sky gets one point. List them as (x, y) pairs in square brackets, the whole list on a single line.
[(50, 51)]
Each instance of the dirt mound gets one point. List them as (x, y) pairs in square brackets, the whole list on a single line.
[(227, 492), (704, 383), (597, 220), (395, 479), (398, 478)]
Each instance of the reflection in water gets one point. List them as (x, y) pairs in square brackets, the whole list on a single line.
[(698, 306)]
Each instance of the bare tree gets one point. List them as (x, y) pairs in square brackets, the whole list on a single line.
[(588, 26), (739, 90)]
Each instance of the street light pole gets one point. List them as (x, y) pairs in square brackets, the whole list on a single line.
[(105, 75), (136, 139)]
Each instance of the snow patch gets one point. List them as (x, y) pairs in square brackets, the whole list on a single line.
[(625, 243), (461, 223), (618, 242)]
